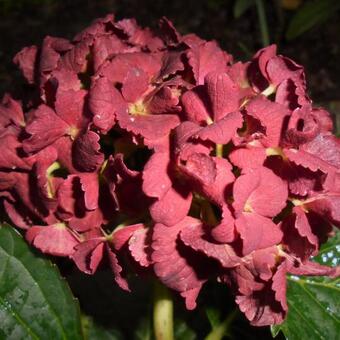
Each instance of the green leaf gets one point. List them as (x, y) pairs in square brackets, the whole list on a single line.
[(183, 331), (241, 6), (214, 316), (144, 329), (310, 15), (314, 302), (94, 331), (35, 302)]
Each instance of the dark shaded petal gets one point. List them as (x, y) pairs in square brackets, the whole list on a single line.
[(26, 60), (86, 152), (196, 237), (88, 255), (117, 269)]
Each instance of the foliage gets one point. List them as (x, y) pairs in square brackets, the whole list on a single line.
[(314, 305), (34, 300)]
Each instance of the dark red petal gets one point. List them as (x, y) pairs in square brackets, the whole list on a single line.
[(88, 255), (172, 207), (19, 217), (76, 58), (196, 237), (120, 65), (281, 68), (151, 127), (140, 246), (263, 56), (254, 190), (200, 167), (156, 180), (121, 236), (249, 157), (90, 186), (84, 221), (326, 147), (223, 94), (64, 147), (171, 64), (44, 128), (69, 106), (298, 235), (268, 306), (224, 232), (257, 232), (168, 32), (10, 154), (170, 263), (190, 297), (135, 84), (324, 119), (11, 112), (327, 206), (194, 107), (138, 36), (26, 60), (263, 262), (65, 80), (302, 127), (54, 239), (313, 269), (164, 100), (207, 57), (223, 130), (86, 152), (308, 160), (271, 116), (66, 196), (104, 101), (46, 183), (117, 269), (104, 47)]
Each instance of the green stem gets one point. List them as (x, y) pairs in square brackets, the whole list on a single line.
[(223, 329), (162, 313), (219, 150), (263, 22)]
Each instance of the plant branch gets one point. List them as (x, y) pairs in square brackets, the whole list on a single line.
[(222, 329), (162, 313), (263, 22)]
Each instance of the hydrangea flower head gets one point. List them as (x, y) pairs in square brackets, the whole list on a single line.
[(160, 150)]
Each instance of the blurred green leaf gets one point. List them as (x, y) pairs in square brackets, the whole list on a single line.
[(241, 6), (144, 329), (35, 302), (214, 316), (310, 15), (182, 331), (314, 302), (94, 331)]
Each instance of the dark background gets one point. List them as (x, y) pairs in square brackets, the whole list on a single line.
[(26, 22)]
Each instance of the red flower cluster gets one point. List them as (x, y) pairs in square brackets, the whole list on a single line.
[(158, 150)]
